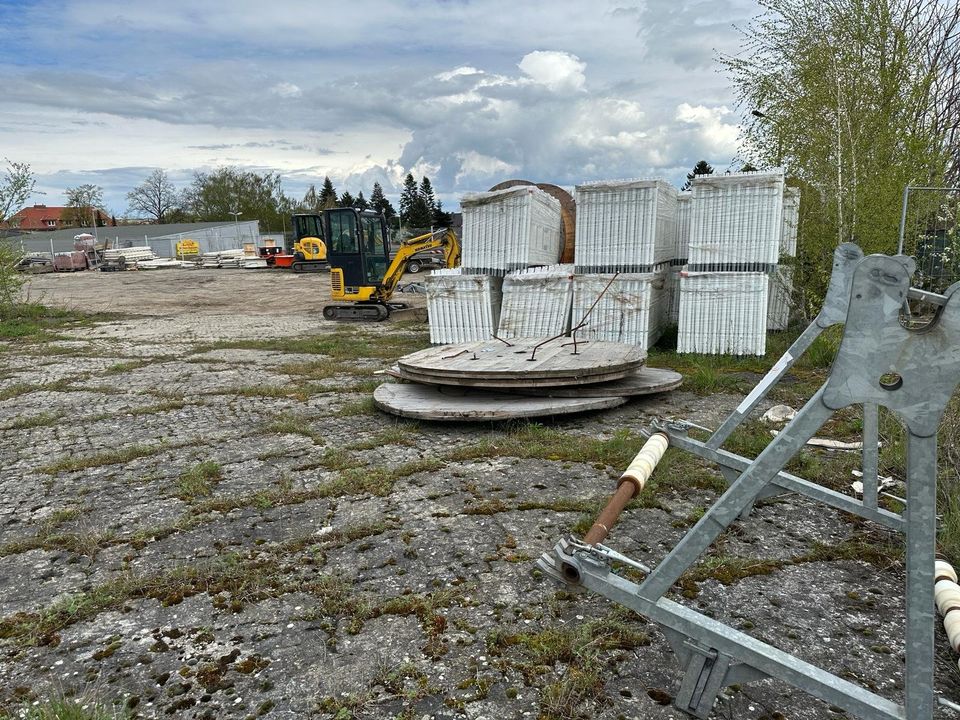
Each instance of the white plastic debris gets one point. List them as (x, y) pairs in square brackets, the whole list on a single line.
[(779, 414)]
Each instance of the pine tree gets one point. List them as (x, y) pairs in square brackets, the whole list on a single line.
[(360, 203), (408, 197), (420, 217), (441, 218), (328, 195), (701, 168), (379, 202), (346, 200), (426, 192)]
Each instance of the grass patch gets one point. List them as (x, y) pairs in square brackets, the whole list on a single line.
[(294, 424), (122, 367), (403, 435), (199, 481), (110, 457), (364, 406), (32, 322), (533, 440), (25, 422), (325, 369), (17, 389), (339, 345), (81, 708), (584, 649)]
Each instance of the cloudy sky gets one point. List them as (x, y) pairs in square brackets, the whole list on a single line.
[(469, 92)]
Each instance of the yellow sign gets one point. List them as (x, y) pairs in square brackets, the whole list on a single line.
[(188, 247)]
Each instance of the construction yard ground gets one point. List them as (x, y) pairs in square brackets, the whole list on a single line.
[(203, 515)]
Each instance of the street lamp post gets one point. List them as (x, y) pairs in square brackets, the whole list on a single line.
[(236, 222)]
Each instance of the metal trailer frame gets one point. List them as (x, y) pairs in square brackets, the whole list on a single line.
[(879, 362)]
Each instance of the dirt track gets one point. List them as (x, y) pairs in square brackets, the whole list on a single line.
[(179, 292)]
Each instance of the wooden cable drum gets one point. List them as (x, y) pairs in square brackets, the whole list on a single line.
[(568, 212)]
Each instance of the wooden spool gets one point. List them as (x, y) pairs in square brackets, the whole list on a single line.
[(428, 402)]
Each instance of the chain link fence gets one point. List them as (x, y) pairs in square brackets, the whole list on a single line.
[(930, 233)]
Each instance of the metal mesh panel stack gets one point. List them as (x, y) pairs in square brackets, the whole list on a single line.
[(462, 308), (625, 226), (684, 211), (780, 297), (723, 313), (510, 229), (736, 221), (791, 220), (633, 310), (536, 302)]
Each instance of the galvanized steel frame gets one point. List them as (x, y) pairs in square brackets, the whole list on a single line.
[(879, 362)]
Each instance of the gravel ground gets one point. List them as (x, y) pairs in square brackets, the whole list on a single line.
[(203, 516)]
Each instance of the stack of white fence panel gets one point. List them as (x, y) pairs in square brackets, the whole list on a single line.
[(736, 221), (681, 250), (633, 310), (684, 212), (723, 313), (780, 298), (536, 302), (510, 229), (130, 254), (791, 220), (625, 226), (781, 279), (462, 308)]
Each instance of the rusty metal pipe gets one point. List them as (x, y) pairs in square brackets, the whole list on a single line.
[(630, 485)]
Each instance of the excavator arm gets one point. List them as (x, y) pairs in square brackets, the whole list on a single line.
[(445, 238)]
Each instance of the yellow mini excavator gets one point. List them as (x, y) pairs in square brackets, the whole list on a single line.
[(363, 276), (309, 250)]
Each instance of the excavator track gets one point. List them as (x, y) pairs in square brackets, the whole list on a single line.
[(310, 266), (356, 311)]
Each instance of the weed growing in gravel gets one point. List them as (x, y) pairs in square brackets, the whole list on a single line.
[(295, 424), (82, 708), (110, 457), (37, 323), (364, 406), (584, 648), (17, 389), (25, 422), (339, 345), (199, 480), (403, 434), (127, 365)]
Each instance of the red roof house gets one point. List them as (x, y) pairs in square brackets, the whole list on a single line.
[(38, 217)]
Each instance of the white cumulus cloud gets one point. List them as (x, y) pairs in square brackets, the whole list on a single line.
[(720, 136), (558, 71)]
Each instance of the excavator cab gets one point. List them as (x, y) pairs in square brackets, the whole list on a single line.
[(357, 251), (307, 247), (305, 225)]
